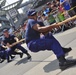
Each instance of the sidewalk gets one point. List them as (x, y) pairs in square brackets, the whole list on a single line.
[(43, 63)]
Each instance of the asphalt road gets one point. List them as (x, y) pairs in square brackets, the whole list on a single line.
[(41, 61)]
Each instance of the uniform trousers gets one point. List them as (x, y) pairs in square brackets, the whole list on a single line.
[(47, 42)]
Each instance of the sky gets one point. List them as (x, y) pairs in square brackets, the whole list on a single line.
[(12, 1)]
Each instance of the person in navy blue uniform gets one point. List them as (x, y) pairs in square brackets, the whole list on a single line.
[(4, 54), (36, 43), (65, 4), (10, 39)]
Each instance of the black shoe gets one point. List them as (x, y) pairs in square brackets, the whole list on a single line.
[(66, 64), (29, 57), (21, 55), (2, 60), (12, 57), (66, 50), (9, 61)]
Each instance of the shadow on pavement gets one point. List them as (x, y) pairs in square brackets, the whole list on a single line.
[(53, 65), (24, 60), (39, 61)]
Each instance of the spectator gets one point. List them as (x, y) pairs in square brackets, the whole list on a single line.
[(65, 4), (74, 4)]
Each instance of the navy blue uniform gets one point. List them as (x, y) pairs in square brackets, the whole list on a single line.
[(4, 54), (35, 43), (11, 40)]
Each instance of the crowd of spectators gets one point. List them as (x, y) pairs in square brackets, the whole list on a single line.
[(52, 12)]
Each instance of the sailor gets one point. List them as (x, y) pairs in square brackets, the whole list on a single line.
[(10, 39), (36, 43)]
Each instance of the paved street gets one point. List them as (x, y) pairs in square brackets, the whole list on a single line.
[(43, 63)]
